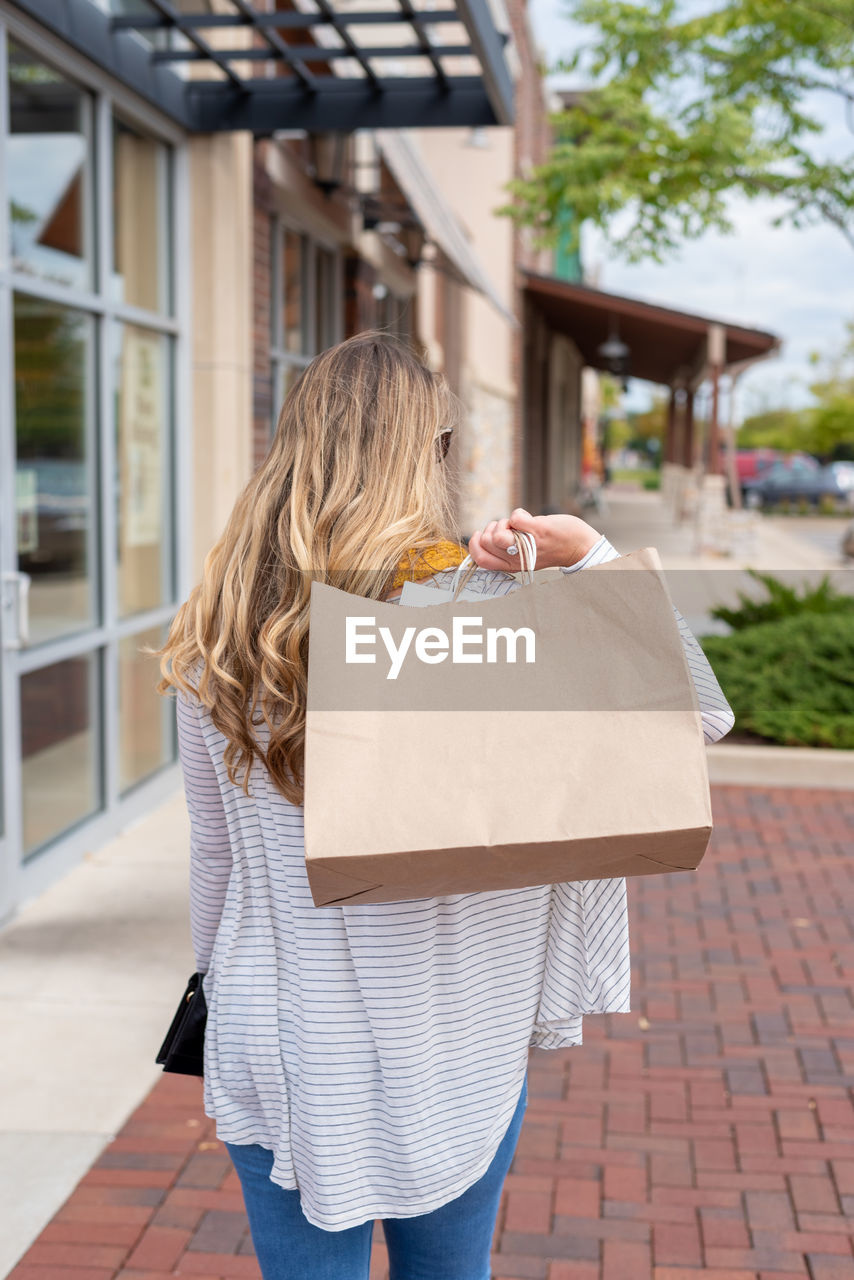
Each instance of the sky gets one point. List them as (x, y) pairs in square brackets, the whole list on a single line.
[(796, 284)]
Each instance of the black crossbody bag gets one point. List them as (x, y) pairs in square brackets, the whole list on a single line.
[(183, 1049)]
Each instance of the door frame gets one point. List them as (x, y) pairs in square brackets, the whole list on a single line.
[(10, 835), (21, 880)]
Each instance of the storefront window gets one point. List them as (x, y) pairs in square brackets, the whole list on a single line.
[(294, 293), (144, 535), (325, 291), (60, 747), (48, 173), (55, 464), (146, 721), (393, 313), (86, 366), (141, 201), (288, 374), (306, 310), (403, 318)]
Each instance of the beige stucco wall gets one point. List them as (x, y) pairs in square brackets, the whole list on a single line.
[(471, 179), (221, 323)]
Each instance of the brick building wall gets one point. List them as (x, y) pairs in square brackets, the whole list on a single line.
[(283, 189), (532, 141)]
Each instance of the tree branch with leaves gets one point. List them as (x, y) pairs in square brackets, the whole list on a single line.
[(685, 109)]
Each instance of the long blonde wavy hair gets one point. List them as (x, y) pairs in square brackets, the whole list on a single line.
[(352, 487)]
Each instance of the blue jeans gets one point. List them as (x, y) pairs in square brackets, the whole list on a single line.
[(452, 1243)]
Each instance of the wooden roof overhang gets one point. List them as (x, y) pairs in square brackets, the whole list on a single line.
[(665, 345)]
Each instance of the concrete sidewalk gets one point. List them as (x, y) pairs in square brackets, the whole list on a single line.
[(767, 543), (90, 972), (697, 582), (710, 1130)]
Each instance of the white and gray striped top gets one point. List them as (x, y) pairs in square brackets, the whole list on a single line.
[(379, 1050)]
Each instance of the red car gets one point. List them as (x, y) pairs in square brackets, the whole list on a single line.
[(751, 463)]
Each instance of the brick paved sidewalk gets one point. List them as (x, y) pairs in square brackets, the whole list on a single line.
[(710, 1130)]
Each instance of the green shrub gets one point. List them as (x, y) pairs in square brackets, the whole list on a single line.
[(783, 602), (791, 681), (652, 481)]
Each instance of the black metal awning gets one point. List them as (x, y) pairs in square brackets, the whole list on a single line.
[(317, 65)]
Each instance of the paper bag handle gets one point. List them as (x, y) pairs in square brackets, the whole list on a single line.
[(527, 563)]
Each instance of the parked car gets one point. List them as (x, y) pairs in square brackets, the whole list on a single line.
[(844, 473), (750, 464), (753, 464), (802, 479)]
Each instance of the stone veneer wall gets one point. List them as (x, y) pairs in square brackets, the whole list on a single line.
[(486, 462)]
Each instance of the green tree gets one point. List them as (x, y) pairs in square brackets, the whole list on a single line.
[(650, 427), (613, 422), (687, 107), (833, 428), (832, 421), (827, 428), (50, 380), (775, 429)]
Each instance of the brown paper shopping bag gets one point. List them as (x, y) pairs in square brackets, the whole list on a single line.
[(548, 735)]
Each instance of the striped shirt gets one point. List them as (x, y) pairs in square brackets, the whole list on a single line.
[(379, 1049)]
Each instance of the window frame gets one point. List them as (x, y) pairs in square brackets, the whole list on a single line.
[(282, 360), (24, 876)]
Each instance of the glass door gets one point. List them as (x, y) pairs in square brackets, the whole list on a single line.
[(9, 587), (56, 575), (13, 621), (13, 606), (7, 893), (88, 337)]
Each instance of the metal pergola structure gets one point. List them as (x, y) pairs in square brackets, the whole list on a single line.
[(317, 66)]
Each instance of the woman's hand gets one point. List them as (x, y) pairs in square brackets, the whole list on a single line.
[(561, 540)]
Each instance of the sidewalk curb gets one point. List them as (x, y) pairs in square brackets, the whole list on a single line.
[(745, 765)]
